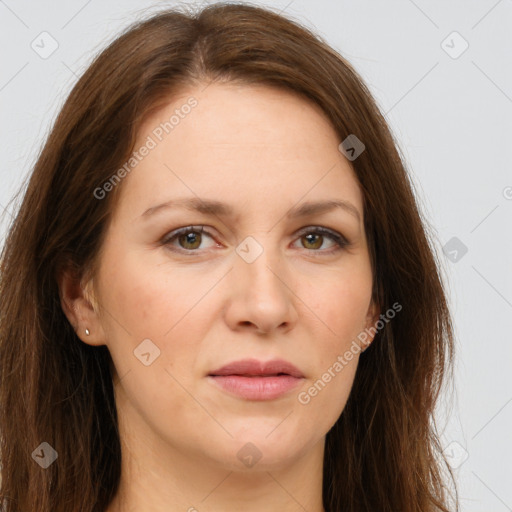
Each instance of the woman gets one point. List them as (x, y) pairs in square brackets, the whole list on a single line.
[(218, 293)]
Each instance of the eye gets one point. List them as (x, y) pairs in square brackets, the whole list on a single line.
[(189, 239), (315, 236)]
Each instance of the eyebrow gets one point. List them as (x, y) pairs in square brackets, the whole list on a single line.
[(213, 207)]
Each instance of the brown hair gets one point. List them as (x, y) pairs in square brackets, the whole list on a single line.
[(384, 452)]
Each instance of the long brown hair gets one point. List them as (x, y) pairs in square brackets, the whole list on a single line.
[(384, 452)]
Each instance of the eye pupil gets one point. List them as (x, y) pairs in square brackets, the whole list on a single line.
[(191, 238), (318, 237)]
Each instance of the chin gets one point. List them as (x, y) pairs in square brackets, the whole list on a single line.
[(260, 452)]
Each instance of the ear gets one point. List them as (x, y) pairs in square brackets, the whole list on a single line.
[(80, 306), (372, 317), (373, 314)]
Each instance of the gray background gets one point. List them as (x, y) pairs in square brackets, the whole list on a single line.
[(451, 112)]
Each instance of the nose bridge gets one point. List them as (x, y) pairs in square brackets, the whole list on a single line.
[(263, 296), (260, 261)]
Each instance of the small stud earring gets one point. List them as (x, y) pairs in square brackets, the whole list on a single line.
[(87, 332)]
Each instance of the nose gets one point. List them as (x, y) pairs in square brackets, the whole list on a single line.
[(261, 297)]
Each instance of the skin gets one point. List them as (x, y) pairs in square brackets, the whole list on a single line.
[(263, 151)]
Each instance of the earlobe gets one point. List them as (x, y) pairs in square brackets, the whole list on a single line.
[(80, 307)]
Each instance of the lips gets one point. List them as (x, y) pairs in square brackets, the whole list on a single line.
[(256, 368), (255, 380)]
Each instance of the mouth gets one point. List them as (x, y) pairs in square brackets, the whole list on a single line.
[(256, 368), (251, 379)]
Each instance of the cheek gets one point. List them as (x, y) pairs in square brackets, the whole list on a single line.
[(146, 304), (348, 313), (323, 400), (155, 299), (340, 303), (142, 304)]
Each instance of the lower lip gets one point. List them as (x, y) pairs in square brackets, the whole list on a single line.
[(256, 388)]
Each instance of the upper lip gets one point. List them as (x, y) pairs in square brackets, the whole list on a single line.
[(254, 367)]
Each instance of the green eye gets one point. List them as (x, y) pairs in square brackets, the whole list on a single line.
[(316, 236), (188, 238)]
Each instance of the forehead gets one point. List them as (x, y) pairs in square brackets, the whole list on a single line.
[(248, 142)]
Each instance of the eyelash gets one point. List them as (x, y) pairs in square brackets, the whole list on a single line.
[(340, 241)]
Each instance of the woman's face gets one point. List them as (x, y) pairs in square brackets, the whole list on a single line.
[(260, 282)]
